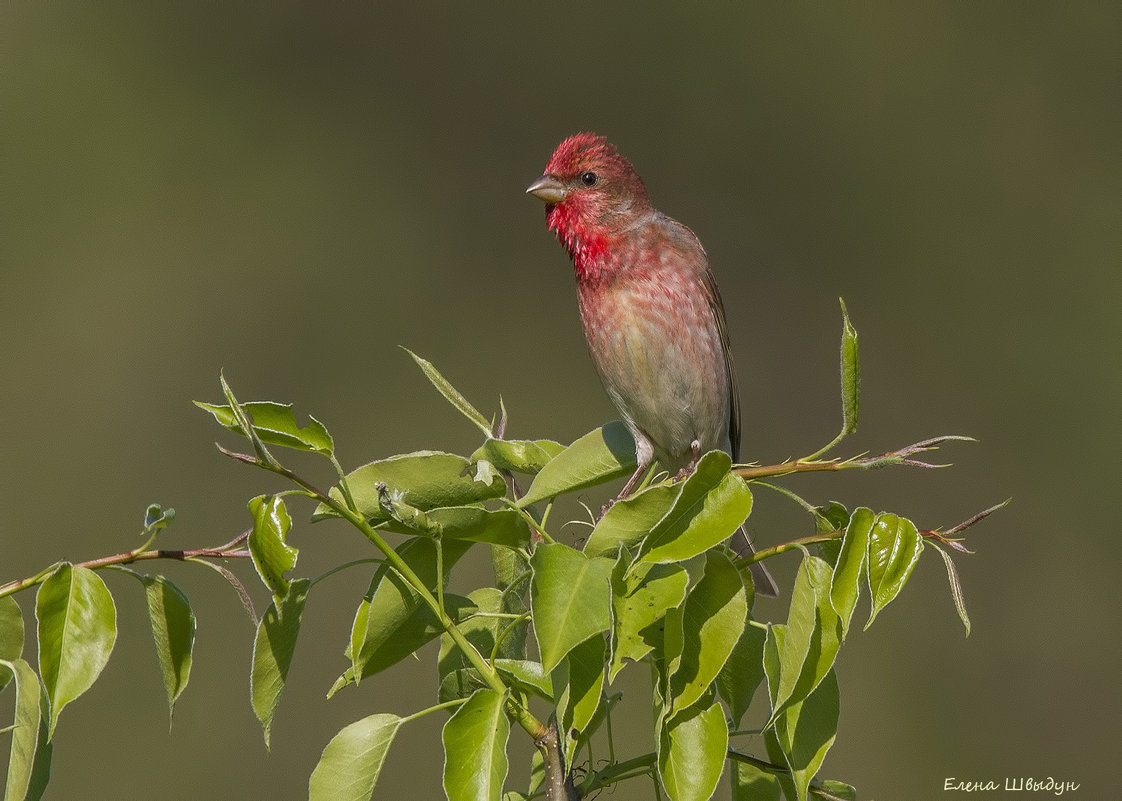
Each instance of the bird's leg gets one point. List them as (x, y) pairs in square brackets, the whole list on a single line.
[(685, 471), (623, 493)]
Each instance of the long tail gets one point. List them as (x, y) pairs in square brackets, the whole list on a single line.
[(765, 584)]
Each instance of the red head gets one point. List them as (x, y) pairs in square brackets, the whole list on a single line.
[(590, 192)]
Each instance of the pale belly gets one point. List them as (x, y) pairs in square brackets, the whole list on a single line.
[(667, 377)]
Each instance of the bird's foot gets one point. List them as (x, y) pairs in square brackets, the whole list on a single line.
[(689, 468), (604, 509)]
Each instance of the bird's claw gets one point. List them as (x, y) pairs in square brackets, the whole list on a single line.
[(604, 509)]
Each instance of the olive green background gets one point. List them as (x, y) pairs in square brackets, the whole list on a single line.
[(288, 191)]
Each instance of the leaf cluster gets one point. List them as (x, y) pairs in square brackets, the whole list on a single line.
[(539, 649)]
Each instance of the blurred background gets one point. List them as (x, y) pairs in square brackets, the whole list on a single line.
[(287, 192)]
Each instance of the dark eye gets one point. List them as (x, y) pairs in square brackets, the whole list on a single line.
[(588, 179)]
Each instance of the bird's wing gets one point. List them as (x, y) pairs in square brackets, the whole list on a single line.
[(714, 297), (730, 371)]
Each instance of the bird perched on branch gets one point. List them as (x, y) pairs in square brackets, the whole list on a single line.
[(651, 312)]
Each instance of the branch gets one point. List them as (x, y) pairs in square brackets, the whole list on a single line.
[(558, 786), (227, 551), (779, 770), (903, 456), (534, 727), (937, 535)]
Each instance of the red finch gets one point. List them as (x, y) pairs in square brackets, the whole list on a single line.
[(650, 308)]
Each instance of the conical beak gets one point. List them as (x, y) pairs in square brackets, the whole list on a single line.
[(548, 189)]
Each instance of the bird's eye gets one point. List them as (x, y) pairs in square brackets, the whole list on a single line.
[(588, 179)]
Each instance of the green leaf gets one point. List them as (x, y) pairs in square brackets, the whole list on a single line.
[(712, 621), (850, 374), (806, 731), (598, 456), (894, 549), (710, 507), (392, 621), (743, 672), (640, 600), (505, 527), (273, 648), (275, 424), (29, 763), (831, 517), (350, 765), (526, 676), (272, 556), (851, 565), (399, 638), (840, 790), (156, 518), (481, 631), (11, 634), (451, 394), (956, 592), (77, 630), (629, 520), (773, 658), (691, 752), (475, 763), (424, 479), (750, 783), (570, 597), (518, 455), (813, 635), (173, 631), (578, 683)]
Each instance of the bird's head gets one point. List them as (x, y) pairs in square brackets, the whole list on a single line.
[(589, 191)]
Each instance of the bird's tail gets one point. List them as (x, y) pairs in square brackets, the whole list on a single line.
[(765, 584)]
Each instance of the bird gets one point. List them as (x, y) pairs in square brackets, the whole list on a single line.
[(651, 312)]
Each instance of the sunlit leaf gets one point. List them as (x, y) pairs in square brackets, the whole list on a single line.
[(11, 634), (505, 527), (712, 621), (750, 783), (475, 763), (272, 556), (424, 479), (29, 762), (451, 394), (392, 621), (743, 672), (571, 599), (482, 629), (850, 374), (518, 456), (599, 456), (527, 676), (173, 631), (813, 635), (956, 591), (845, 586), (640, 599), (805, 731), (628, 521), (894, 549), (273, 648), (691, 752), (578, 682), (839, 790), (710, 507), (275, 424), (350, 765), (77, 629)]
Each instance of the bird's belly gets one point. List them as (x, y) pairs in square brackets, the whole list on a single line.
[(659, 356)]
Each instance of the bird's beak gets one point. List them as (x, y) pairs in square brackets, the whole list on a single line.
[(548, 189)]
